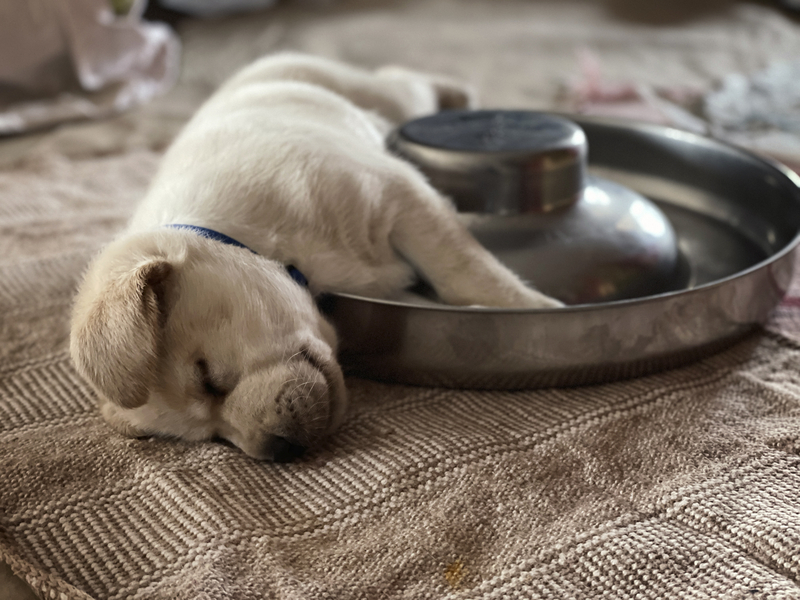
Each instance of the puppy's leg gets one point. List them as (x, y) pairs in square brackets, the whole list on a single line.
[(448, 93), (428, 234), (414, 94)]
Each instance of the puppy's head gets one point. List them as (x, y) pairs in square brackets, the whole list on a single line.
[(187, 337)]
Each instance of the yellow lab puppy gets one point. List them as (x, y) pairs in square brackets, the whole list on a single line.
[(199, 321)]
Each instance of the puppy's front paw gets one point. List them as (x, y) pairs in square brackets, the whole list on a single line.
[(547, 302), (535, 299), (513, 295)]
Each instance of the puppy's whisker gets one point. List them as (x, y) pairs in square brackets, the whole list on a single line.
[(295, 355)]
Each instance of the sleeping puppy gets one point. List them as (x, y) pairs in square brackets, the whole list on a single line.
[(196, 321)]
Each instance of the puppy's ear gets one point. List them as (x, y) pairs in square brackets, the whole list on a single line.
[(117, 329)]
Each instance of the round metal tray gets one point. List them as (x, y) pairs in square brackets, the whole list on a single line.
[(737, 221)]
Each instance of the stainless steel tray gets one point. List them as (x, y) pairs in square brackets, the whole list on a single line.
[(737, 220)]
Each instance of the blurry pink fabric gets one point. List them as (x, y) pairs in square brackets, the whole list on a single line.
[(592, 94), (70, 59)]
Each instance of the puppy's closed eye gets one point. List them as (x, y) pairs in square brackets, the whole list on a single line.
[(211, 387)]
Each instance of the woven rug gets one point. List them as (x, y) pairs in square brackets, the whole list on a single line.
[(680, 484)]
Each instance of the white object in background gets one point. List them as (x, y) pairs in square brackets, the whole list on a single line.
[(70, 59), (760, 112)]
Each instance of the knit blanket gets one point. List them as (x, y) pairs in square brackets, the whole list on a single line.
[(684, 483)]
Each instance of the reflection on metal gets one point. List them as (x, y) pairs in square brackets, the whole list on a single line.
[(612, 244)]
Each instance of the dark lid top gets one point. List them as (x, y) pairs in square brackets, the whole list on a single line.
[(493, 131)]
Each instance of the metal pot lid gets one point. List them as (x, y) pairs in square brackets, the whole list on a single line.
[(498, 161)]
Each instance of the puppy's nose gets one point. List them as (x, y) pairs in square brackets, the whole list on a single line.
[(283, 450)]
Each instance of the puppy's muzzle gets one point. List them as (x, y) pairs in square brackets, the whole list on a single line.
[(303, 407)]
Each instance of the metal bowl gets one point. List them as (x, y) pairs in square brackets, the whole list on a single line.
[(737, 221), (518, 179)]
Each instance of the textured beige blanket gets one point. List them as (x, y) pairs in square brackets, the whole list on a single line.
[(681, 484)]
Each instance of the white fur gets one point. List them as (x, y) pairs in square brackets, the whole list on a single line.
[(288, 158)]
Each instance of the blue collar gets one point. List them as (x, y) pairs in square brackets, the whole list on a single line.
[(210, 234)]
